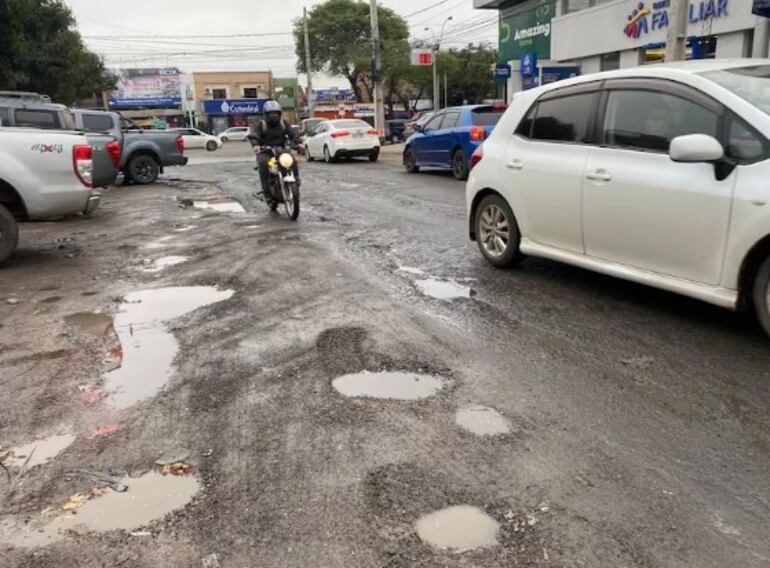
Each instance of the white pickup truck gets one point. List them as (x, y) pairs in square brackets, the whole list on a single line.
[(43, 174)]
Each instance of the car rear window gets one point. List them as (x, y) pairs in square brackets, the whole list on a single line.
[(97, 122), (351, 124), (37, 118), (488, 116)]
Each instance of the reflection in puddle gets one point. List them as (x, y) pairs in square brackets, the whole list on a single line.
[(148, 349), (387, 384), (410, 270), (98, 325), (165, 262), (149, 497), (39, 451), (443, 289), (459, 528), (222, 204), (482, 421)]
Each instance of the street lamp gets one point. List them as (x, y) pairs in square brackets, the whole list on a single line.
[(436, 47)]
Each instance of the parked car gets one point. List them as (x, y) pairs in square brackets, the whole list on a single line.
[(235, 133), (194, 138), (395, 130), (36, 111), (43, 174), (418, 120), (343, 138), (656, 174), (144, 153), (450, 137)]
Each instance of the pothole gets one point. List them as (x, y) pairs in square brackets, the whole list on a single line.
[(148, 498), (444, 289), (148, 348), (165, 262), (39, 451), (410, 270), (221, 204), (159, 243), (91, 323), (482, 421), (458, 528), (388, 384)]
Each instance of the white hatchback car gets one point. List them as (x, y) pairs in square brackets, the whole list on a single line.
[(235, 133), (194, 138), (343, 138), (658, 174)]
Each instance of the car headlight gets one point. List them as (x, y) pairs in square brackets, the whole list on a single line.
[(286, 160)]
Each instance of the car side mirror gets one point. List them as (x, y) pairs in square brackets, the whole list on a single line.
[(419, 128), (692, 148)]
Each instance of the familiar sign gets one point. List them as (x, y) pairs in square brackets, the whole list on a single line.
[(502, 72), (422, 57), (147, 88), (526, 31), (233, 106), (528, 64)]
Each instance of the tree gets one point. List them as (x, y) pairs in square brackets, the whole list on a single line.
[(341, 42), (43, 52), (469, 73)]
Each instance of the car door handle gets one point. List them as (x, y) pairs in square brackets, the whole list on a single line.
[(599, 175), (514, 165)]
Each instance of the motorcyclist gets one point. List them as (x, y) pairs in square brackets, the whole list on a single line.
[(272, 132)]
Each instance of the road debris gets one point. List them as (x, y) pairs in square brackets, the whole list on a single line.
[(75, 502), (176, 455), (178, 469), (104, 430)]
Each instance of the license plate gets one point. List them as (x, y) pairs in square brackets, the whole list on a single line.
[(358, 134)]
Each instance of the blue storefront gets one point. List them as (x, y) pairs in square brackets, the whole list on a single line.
[(221, 114)]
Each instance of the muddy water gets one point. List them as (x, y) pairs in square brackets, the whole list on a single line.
[(482, 421), (443, 289), (39, 451), (222, 204), (165, 262), (91, 323), (388, 384), (148, 498), (148, 348), (458, 528)]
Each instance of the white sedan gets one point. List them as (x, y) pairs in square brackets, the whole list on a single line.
[(344, 138), (194, 138), (657, 174), (235, 133)]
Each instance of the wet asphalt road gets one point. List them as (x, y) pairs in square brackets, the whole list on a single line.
[(639, 420)]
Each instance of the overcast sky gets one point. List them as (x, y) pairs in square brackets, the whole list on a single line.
[(115, 30)]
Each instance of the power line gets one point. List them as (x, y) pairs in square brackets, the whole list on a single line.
[(426, 9)]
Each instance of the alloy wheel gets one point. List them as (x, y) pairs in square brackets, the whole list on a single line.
[(495, 231)]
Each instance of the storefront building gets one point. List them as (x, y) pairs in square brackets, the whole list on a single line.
[(225, 99), (287, 92), (546, 40)]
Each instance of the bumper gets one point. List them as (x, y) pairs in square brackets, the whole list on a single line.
[(93, 202), (355, 152)]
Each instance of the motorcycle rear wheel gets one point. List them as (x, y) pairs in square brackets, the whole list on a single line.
[(291, 200)]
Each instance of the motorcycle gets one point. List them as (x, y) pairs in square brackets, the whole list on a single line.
[(283, 186)]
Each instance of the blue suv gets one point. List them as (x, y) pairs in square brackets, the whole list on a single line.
[(448, 140)]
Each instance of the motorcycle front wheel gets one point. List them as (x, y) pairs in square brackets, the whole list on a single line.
[(291, 200)]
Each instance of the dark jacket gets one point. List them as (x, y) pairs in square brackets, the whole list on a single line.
[(274, 136)]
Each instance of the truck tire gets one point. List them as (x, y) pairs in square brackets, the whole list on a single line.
[(762, 295), (143, 169), (9, 233)]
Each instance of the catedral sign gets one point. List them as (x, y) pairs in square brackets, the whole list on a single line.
[(526, 31)]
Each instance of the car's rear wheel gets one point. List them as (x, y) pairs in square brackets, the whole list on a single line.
[(143, 169), (410, 163), (9, 233), (459, 165), (308, 156), (374, 156), (497, 232), (328, 158), (211, 145), (762, 295)]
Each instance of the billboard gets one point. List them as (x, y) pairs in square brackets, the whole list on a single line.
[(527, 31), (147, 87), (334, 95)]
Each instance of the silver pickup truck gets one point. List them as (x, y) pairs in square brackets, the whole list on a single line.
[(44, 174), (38, 113), (144, 152)]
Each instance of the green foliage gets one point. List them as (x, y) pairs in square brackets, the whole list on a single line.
[(42, 52)]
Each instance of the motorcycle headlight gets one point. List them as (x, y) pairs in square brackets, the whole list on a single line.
[(286, 160)]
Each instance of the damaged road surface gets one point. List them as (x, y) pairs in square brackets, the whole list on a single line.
[(188, 379)]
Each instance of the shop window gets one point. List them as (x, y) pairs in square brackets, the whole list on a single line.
[(610, 61), (219, 93), (564, 119), (568, 6), (249, 92)]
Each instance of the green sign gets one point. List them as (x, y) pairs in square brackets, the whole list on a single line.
[(527, 31)]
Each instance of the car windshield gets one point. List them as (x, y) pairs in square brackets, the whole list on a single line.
[(487, 116), (351, 124), (750, 83)]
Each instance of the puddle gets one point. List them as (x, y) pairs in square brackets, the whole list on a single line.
[(91, 323), (458, 528), (482, 421), (251, 227), (184, 228), (444, 289), (159, 243), (387, 384), (148, 498), (410, 270), (165, 262), (39, 451), (222, 204), (148, 348)]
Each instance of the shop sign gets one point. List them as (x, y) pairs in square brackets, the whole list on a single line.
[(422, 57), (333, 95), (529, 64), (147, 87), (233, 106), (652, 16), (528, 31), (761, 8)]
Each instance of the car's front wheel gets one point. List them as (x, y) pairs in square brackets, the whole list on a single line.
[(497, 232), (211, 145), (9, 233), (224, 138), (328, 158), (762, 295)]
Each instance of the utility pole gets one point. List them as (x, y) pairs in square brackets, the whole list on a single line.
[(446, 91), (307, 64), (436, 94), (379, 103), (676, 37)]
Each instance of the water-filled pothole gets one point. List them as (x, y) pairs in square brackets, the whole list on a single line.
[(444, 289), (482, 421), (458, 528), (388, 384), (148, 348), (148, 497), (91, 323), (39, 451), (221, 204), (165, 262)]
